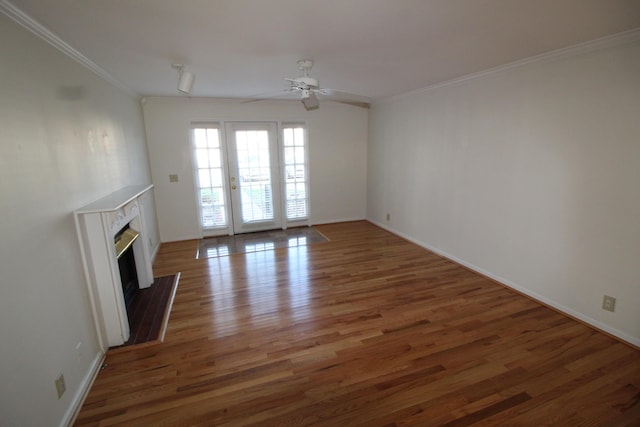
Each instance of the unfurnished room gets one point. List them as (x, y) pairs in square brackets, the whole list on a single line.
[(320, 213)]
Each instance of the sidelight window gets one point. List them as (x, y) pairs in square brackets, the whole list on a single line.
[(296, 174), (210, 177)]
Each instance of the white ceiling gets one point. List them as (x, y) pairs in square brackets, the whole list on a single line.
[(374, 48)]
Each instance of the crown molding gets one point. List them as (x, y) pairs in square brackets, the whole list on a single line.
[(45, 34), (566, 52)]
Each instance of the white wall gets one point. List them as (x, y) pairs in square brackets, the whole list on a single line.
[(531, 176), (67, 138), (337, 151)]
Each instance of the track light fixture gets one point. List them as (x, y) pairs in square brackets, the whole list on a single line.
[(185, 82)]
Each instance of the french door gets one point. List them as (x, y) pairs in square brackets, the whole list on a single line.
[(248, 181), (254, 176)]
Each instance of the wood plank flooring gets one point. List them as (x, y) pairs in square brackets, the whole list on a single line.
[(364, 330)]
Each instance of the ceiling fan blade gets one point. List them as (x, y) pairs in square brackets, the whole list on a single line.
[(354, 103), (278, 94), (304, 82), (345, 97)]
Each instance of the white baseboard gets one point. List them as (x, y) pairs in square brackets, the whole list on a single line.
[(180, 238), (540, 298), (77, 401), (335, 221)]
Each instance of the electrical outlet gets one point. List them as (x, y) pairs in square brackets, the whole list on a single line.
[(173, 177), (388, 217), (608, 303), (60, 385)]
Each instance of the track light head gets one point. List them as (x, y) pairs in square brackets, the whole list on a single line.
[(186, 80)]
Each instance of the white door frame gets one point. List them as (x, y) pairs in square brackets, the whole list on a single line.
[(240, 181)]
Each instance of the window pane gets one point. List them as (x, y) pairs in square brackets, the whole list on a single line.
[(204, 178), (288, 135), (202, 158), (216, 177), (298, 136), (211, 197), (212, 137), (217, 196), (301, 191), (205, 197), (200, 138), (219, 216), (207, 217), (295, 170), (214, 158), (289, 156), (296, 209)]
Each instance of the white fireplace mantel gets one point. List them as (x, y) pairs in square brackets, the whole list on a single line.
[(97, 225)]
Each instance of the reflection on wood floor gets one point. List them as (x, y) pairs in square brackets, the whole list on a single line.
[(211, 247), (364, 330)]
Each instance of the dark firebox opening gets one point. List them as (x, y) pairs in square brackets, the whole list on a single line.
[(128, 273)]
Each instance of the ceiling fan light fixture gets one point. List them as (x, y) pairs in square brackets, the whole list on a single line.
[(309, 81), (310, 100)]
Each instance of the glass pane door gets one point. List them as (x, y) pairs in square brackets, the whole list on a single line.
[(254, 176)]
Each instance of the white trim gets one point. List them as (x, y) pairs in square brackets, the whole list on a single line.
[(586, 319), (182, 237), (296, 222), (337, 220), (154, 252), (565, 52), (87, 274), (83, 390), (45, 34), (226, 230)]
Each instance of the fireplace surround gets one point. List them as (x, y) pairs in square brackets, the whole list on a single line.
[(97, 225)]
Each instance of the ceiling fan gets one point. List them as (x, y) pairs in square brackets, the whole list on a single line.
[(309, 88)]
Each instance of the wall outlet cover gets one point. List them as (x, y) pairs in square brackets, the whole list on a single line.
[(61, 387), (608, 303)]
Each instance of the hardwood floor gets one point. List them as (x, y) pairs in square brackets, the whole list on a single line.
[(364, 330)]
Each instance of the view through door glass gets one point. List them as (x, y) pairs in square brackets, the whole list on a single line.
[(254, 176)]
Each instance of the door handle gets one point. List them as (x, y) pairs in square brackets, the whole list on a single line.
[(233, 187)]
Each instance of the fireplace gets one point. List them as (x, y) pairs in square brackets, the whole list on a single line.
[(127, 263), (113, 236)]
